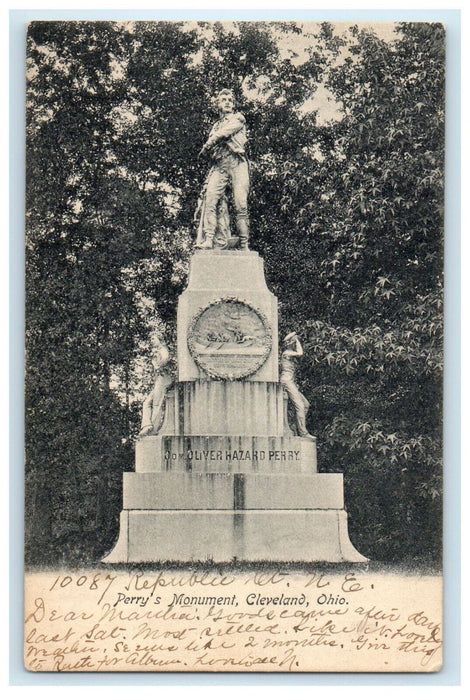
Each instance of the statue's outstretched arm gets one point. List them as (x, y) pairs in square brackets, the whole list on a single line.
[(297, 352), (298, 347)]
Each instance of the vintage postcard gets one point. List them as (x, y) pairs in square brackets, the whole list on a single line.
[(234, 336)]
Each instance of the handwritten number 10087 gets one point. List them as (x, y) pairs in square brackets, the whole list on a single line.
[(97, 582)]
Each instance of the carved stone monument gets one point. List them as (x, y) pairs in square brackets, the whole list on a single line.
[(219, 473), (225, 477)]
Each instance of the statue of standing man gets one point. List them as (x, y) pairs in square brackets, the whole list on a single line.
[(292, 351), (226, 148)]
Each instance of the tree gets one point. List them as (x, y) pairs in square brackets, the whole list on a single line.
[(378, 349)]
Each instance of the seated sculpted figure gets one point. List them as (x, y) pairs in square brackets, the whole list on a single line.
[(229, 168), (292, 351), (153, 411)]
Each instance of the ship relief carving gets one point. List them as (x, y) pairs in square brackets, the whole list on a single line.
[(230, 339)]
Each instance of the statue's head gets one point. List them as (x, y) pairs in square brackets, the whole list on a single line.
[(160, 352), (225, 101), (160, 358)]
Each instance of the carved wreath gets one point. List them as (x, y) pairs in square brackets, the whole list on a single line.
[(236, 374)]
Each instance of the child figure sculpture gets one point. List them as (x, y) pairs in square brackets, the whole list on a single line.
[(293, 350), (153, 411)]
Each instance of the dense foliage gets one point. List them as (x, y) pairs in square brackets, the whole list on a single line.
[(347, 214)]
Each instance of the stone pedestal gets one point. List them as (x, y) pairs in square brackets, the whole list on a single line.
[(225, 536), (226, 478), (217, 275)]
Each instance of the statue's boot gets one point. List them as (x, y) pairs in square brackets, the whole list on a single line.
[(302, 428), (243, 232), (207, 244)]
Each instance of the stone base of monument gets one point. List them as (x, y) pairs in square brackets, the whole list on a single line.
[(225, 478), (221, 517), (224, 536)]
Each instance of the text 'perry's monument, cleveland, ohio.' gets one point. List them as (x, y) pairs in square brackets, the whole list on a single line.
[(219, 472)]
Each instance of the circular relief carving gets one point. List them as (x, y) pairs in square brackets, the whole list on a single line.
[(229, 339)]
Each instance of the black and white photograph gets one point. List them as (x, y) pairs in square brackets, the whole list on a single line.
[(234, 346)]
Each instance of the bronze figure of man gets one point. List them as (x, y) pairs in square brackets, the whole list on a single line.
[(226, 148)]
